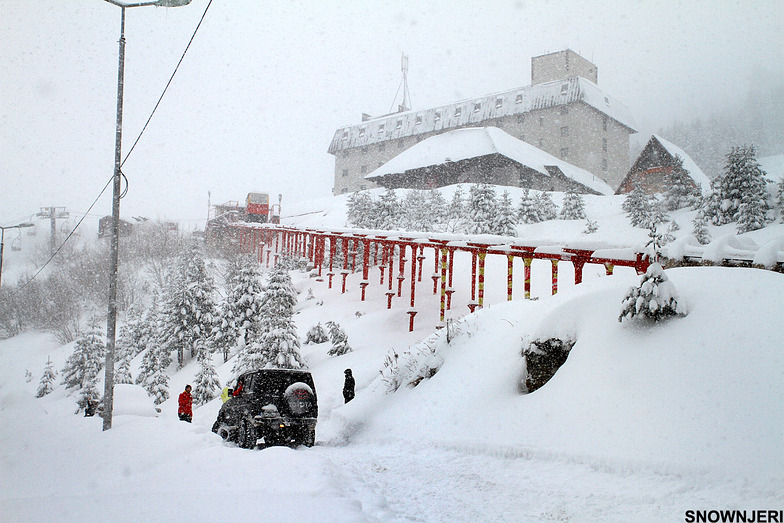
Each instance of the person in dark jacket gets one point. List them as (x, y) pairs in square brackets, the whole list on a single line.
[(186, 405), (348, 386)]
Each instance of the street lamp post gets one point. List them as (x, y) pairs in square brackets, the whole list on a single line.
[(2, 242), (111, 317)]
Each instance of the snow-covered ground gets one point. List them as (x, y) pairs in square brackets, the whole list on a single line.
[(640, 424)]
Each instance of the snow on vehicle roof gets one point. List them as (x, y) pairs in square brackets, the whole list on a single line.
[(462, 144), (695, 172)]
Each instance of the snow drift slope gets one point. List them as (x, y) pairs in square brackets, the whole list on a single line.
[(702, 392)]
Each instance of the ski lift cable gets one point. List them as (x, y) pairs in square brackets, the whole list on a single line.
[(28, 282), (167, 84)]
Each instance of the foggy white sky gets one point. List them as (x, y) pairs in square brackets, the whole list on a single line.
[(265, 84)]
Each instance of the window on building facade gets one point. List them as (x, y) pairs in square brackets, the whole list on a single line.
[(380, 164), (364, 149), (344, 190), (604, 164), (362, 133), (521, 118), (564, 152), (519, 99), (564, 109), (458, 112), (399, 124), (499, 102), (541, 121), (400, 144), (565, 130), (381, 147), (437, 117), (541, 142), (564, 87), (522, 137), (604, 122), (381, 130), (477, 107), (362, 187), (419, 120), (345, 135), (345, 154), (363, 169), (604, 144), (344, 172)]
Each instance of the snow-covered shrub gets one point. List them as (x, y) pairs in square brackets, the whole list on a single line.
[(339, 340), (359, 210), (317, 334), (410, 368), (541, 359), (456, 219), (655, 298), (545, 207), (526, 210), (742, 191), (416, 212), (590, 227), (207, 382)]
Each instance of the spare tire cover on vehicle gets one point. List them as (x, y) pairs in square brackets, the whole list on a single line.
[(299, 397)]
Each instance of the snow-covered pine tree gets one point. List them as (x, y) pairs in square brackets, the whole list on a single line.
[(700, 230), (46, 385), (189, 310), (122, 371), (278, 346), (238, 323), (637, 206), (387, 211), (655, 298), (545, 207), (573, 206), (359, 208), (780, 197), (526, 210), (83, 366), (743, 181), (207, 382), (679, 190), (481, 209), (157, 384), (416, 212), (317, 334), (339, 340), (438, 208), (456, 212), (505, 222)]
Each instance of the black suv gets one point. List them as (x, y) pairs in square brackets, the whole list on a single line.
[(276, 405)]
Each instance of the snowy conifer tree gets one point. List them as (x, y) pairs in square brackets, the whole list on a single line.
[(238, 324), (189, 310), (387, 210), (526, 210), (655, 298), (700, 230), (481, 209), (438, 209), (416, 212), (456, 212), (83, 366), (743, 184), (780, 196), (590, 227), (505, 222), (339, 340), (207, 382), (679, 190), (46, 385), (279, 344), (573, 206), (316, 335), (360, 210), (637, 205), (545, 207), (122, 372)]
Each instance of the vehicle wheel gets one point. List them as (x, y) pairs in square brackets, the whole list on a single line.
[(247, 436), (307, 436), (225, 432)]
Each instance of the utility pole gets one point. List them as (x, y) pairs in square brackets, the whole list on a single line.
[(54, 214)]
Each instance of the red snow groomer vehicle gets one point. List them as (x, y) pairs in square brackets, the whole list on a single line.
[(258, 208)]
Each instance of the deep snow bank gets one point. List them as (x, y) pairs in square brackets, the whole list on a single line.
[(700, 392)]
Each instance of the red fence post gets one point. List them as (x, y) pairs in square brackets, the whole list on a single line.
[(449, 289), (411, 311), (444, 254), (555, 276), (509, 266), (365, 267), (481, 290)]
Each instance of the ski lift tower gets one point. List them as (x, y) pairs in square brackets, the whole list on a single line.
[(405, 105)]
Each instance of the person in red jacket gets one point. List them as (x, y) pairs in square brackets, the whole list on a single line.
[(186, 405)]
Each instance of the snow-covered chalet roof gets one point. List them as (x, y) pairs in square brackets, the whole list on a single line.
[(695, 172), (477, 110), (472, 142)]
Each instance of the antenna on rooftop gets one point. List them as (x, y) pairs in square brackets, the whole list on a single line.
[(405, 105)]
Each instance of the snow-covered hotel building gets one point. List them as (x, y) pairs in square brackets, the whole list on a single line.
[(563, 112)]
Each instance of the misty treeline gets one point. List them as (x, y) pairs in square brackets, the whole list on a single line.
[(741, 194), (479, 211), (72, 289), (757, 121)]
